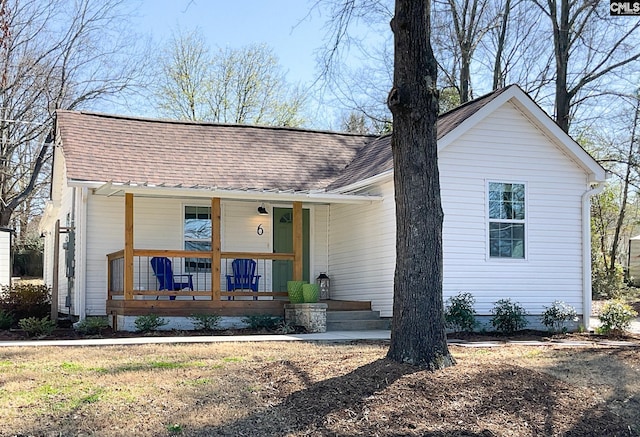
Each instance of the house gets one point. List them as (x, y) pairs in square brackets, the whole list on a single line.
[(5, 256), (515, 193)]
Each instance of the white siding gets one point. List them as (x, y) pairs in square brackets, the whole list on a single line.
[(362, 251), (505, 147), (5, 258), (319, 237)]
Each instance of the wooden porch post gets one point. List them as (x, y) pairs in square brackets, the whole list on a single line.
[(215, 249), (128, 246), (297, 241)]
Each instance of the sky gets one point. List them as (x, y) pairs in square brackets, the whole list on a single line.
[(286, 26)]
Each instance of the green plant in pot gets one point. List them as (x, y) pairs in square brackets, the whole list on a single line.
[(311, 293), (294, 289)]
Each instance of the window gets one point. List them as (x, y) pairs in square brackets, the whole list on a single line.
[(197, 236), (506, 220)]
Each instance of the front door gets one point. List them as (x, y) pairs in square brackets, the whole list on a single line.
[(283, 243)]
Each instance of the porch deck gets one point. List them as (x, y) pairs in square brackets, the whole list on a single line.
[(234, 308)]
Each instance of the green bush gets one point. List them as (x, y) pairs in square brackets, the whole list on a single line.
[(26, 300), (557, 315), (459, 314), (615, 317), (35, 327), (604, 283), (206, 322), (6, 319), (149, 323), (262, 322), (508, 317), (91, 325)]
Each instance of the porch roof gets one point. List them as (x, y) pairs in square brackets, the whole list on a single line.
[(239, 193)]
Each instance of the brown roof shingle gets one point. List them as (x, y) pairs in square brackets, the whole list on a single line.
[(376, 157), (108, 148)]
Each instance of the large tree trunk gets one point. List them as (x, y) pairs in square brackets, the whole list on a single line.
[(417, 333)]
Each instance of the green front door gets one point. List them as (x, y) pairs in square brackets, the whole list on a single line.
[(283, 243)]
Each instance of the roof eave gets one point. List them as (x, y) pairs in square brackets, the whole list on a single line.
[(147, 190)]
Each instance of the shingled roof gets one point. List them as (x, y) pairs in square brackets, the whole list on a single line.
[(377, 158), (108, 148), (99, 147)]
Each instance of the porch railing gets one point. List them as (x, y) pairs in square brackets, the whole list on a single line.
[(208, 284)]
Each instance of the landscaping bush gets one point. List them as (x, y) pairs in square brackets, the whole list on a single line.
[(459, 314), (206, 322), (6, 319), (557, 315), (149, 323), (35, 327), (262, 322), (26, 300), (508, 317), (91, 325), (615, 317)]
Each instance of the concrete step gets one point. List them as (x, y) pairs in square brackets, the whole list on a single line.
[(356, 321), (358, 325), (352, 315)]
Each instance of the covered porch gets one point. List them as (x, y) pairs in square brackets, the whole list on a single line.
[(133, 288)]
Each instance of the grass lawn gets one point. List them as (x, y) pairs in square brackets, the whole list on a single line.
[(302, 389)]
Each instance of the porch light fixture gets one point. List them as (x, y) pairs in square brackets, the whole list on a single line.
[(262, 210)]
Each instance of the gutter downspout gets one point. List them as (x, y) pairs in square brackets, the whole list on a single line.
[(586, 252), (81, 265)]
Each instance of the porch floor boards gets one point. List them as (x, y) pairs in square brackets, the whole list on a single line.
[(232, 308)]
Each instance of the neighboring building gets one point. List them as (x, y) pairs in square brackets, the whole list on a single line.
[(515, 193), (5, 256)]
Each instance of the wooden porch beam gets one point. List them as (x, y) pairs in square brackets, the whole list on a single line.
[(128, 246), (297, 241), (215, 249)]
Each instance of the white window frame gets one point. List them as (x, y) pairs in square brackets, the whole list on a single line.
[(490, 220)]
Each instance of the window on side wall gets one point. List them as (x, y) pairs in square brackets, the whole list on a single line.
[(197, 236), (506, 220)]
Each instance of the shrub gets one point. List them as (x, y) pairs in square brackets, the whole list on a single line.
[(557, 315), (606, 284), (459, 314), (35, 327), (508, 317), (91, 325), (615, 317), (262, 322), (25, 300), (148, 323), (206, 322), (6, 319)]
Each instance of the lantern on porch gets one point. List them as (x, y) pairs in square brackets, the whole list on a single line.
[(323, 282)]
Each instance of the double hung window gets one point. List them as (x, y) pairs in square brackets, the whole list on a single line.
[(506, 220), (197, 236)]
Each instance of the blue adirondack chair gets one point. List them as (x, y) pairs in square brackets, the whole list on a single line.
[(244, 276), (166, 279)]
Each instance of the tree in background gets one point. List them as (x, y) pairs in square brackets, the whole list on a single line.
[(589, 46), (58, 54), (616, 211), (243, 86)]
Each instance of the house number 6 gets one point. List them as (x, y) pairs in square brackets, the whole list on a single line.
[(260, 231)]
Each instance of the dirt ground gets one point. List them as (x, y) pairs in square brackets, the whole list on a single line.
[(311, 389)]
